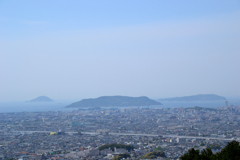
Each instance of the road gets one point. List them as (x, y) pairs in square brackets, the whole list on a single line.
[(134, 134)]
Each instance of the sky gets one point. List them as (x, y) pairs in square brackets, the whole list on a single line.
[(85, 49)]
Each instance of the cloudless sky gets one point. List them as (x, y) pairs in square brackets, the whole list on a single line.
[(85, 49)]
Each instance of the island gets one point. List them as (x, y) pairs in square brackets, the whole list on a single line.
[(41, 99), (114, 101), (199, 97)]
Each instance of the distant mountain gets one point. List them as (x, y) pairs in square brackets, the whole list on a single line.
[(114, 101), (41, 99), (200, 97)]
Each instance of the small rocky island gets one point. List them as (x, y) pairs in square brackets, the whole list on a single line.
[(199, 97), (41, 99), (114, 101)]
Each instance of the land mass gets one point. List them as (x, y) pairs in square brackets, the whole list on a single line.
[(114, 101), (41, 99), (199, 97)]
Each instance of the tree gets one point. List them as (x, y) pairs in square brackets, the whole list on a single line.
[(207, 154), (121, 156), (191, 155), (230, 152), (153, 155)]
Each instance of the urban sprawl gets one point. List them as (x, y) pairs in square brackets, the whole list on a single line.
[(78, 134)]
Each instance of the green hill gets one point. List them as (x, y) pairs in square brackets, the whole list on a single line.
[(114, 101)]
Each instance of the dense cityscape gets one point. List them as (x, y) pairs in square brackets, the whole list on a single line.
[(78, 134)]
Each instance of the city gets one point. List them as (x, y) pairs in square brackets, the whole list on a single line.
[(78, 134)]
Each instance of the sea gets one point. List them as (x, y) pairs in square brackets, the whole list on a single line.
[(17, 106)]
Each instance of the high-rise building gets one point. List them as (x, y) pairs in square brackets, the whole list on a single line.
[(226, 103)]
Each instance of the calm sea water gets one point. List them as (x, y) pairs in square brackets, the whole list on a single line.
[(33, 106), (6, 107)]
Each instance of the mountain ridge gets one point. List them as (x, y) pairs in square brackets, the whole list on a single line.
[(198, 97)]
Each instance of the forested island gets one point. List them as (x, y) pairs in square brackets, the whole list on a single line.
[(199, 97), (41, 99), (114, 101)]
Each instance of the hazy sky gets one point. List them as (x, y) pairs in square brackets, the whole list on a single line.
[(84, 49)]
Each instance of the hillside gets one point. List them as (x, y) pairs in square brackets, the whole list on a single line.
[(41, 99), (200, 97), (114, 101)]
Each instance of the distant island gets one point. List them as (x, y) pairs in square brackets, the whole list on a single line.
[(199, 97), (41, 99), (114, 101)]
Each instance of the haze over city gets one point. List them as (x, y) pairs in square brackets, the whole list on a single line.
[(119, 79), (83, 49)]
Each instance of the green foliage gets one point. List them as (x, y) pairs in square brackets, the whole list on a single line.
[(154, 154), (158, 149), (112, 146), (207, 154), (230, 152), (191, 155), (121, 156)]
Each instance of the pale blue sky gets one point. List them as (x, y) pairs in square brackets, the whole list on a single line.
[(82, 49)]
